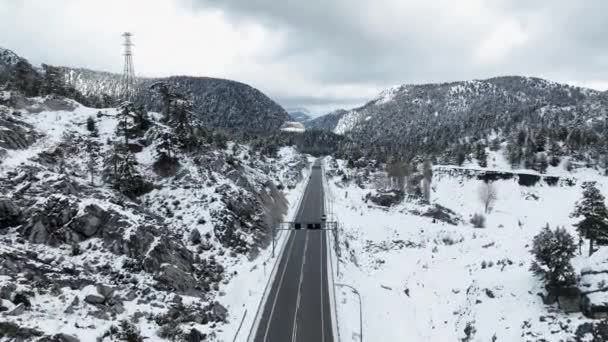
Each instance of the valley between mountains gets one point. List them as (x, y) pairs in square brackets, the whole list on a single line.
[(166, 218)]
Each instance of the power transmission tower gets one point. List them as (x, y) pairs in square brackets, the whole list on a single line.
[(127, 84)]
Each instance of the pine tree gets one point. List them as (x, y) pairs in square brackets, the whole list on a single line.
[(540, 141), (427, 174), (460, 155), (92, 153), (553, 250), (592, 209), (141, 120), (513, 154), (481, 155), (494, 144), (126, 121), (554, 153), (53, 81), (92, 126), (543, 163), (121, 171), (178, 113), (166, 146), (26, 79)]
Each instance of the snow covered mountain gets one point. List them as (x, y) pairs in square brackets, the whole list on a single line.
[(163, 252), (299, 114), (327, 122), (431, 117), (218, 103)]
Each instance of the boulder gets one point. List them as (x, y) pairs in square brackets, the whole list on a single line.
[(13, 332), (169, 251), (17, 310), (61, 337), (105, 291), (22, 298), (10, 214), (570, 300), (172, 278), (15, 134), (6, 291), (195, 237), (94, 299), (45, 223), (72, 307), (91, 221), (220, 313), (443, 214), (195, 336), (387, 198)]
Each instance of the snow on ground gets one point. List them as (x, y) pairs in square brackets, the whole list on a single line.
[(425, 281), (247, 288), (188, 195)]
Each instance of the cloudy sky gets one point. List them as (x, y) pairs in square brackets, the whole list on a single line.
[(320, 54)]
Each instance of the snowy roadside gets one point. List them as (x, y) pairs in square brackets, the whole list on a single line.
[(247, 289), (422, 280)]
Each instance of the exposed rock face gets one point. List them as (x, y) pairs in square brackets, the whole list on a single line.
[(195, 237), (10, 214), (47, 224), (17, 310), (195, 336), (172, 278), (14, 332), (15, 134), (91, 222), (386, 198), (94, 299), (440, 213)]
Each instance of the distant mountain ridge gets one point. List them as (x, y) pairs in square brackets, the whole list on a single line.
[(219, 103), (418, 116), (299, 114), (327, 122)]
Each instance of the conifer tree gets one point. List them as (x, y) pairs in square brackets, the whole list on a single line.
[(481, 155), (427, 174), (592, 209), (553, 250), (126, 121), (543, 163), (554, 153)]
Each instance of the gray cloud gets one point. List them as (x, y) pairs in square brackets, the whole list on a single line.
[(321, 53), (384, 41)]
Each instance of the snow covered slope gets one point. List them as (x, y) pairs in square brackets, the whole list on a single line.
[(425, 274), (79, 259)]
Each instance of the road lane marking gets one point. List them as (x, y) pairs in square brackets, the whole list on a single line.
[(294, 332), (322, 301), (276, 295)]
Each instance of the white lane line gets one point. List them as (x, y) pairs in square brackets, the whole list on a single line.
[(276, 295), (303, 202), (294, 332), (322, 301)]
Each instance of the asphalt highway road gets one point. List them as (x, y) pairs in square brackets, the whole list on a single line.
[(297, 308)]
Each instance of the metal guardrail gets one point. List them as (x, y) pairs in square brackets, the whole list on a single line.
[(337, 251), (327, 194), (360, 309), (240, 325)]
